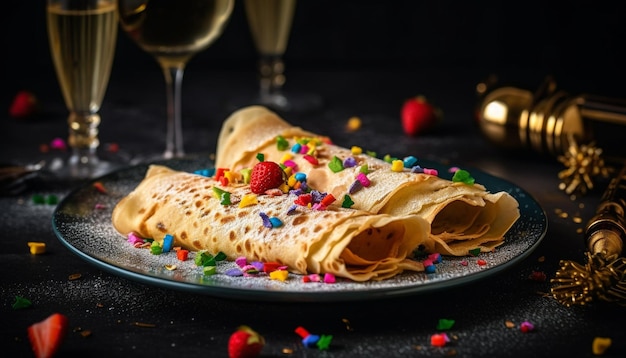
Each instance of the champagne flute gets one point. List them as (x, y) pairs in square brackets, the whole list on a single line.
[(270, 25), (82, 36), (173, 31)]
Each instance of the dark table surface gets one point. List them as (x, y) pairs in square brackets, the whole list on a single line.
[(184, 323), (181, 323)]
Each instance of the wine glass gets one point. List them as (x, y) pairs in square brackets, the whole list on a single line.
[(270, 25), (173, 31), (82, 36)]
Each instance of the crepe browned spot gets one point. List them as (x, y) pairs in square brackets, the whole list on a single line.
[(462, 217), (348, 243)]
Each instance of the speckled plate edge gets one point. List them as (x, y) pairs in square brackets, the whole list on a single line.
[(82, 222)]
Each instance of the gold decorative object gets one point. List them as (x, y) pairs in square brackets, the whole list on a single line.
[(603, 277), (550, 121), (584, 163)]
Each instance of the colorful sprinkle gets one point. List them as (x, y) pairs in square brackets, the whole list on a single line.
[(349, 162), (209, 172), (270, 266), (363, 179), (355, 186), (38, 199), (329, 278), (481, 262), (276, 222), (37, 248), (155, 248), (248, 200), (209, 270), (409, 161), (204, 258), (133, 238), (430, 171), (310, 340), (182, 255), (281, 143), (356, 150), (324, 342), (241, 261), (280, 275), (100, 187), (245, 175), (445, 324), (364, 169), (58, 144), (260, 157), (335, 165), (347, 201), (21, 302), (353, 124), (417, 169), (304, 199), (302, 332), (168, 242), (234, 272), (475, 252), (526, 327), (463, 176), (439, 339), (397, 165), (328, 199), (600, 345), (296, 148), (222, 195), (435, 257), (290, 164), (311, 159)]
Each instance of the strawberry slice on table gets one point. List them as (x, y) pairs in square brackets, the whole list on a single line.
[(419, 115), (266, 175), (46, 336), (24, 105), (245, 343)]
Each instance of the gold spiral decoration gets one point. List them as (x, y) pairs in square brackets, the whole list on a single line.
[(599, 278)]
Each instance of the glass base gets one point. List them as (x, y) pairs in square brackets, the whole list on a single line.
[(285, 102), (76, 169)]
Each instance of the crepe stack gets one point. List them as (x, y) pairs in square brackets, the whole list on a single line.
[(463, 218), (345, 242)]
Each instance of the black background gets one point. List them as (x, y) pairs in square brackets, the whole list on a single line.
[(578, 41)]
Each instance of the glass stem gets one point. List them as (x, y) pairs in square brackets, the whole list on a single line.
[(174, 137), (271, 73), (83, 140)]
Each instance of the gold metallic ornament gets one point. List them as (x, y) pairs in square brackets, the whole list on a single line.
[(583, 164), (603, 277), (546, 119)]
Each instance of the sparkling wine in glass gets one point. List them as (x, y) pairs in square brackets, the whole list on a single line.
[(173, 31), (82, 36), (270, 25)]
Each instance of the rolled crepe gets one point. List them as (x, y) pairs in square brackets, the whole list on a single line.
[(345, 242), (463, 217)]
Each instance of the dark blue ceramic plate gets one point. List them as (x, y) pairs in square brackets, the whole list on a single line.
[(82, 222)]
